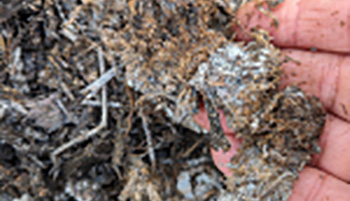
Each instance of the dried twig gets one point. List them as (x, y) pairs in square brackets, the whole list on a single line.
[(94, 103), (64, 110), (131, 112), (66, 91), (97, 129), (150, 147), (101, 81)]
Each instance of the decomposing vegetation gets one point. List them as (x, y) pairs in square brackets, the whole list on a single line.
[(97, 101)]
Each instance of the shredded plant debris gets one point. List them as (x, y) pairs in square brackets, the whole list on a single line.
[(97, 100)]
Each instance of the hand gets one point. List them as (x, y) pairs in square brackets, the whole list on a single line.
[(306, 25)]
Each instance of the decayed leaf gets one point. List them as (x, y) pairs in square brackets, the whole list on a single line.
[(46, 114)]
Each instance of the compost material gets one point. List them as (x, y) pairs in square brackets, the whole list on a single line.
[(97, 100)]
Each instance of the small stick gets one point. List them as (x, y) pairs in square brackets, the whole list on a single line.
[(64, 110), (66, 91), (151, 153), (101, 81), (94, 131), (96, 103), (131, 112)]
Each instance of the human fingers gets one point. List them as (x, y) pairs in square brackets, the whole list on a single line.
[(325, 75), (331, 85), (304, 23), (335, 139), (201, 118), (315, 185), (312, 183), (221, 158), (334, 142)]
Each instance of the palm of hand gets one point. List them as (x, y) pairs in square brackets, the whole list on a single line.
[(304, 24)]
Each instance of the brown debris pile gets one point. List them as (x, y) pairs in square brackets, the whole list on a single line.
[(97, 99)]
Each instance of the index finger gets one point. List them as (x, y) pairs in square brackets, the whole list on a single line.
[(321, 24)]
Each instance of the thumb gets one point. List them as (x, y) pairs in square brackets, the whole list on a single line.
[(221, 158)]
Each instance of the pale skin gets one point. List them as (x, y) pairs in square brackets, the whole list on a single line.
[(325, 73)]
